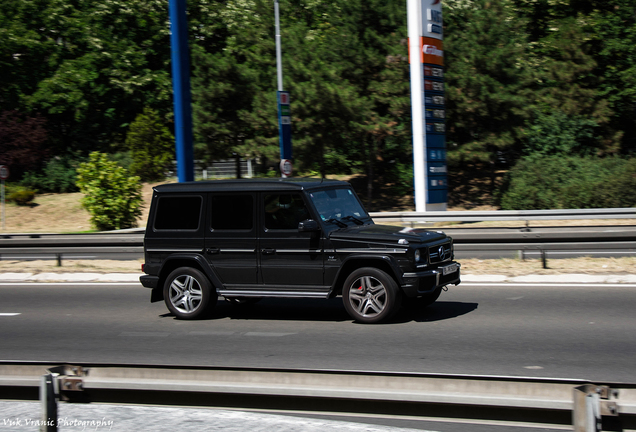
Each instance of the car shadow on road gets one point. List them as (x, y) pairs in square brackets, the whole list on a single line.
[(331, 310), (284, 309), (438, 311)]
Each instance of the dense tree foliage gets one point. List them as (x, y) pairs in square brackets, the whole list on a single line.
[(22, 141), (563, 181), (151, 146), (523, 78)]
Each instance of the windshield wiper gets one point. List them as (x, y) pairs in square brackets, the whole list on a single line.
[(337, 222), (354, 219)]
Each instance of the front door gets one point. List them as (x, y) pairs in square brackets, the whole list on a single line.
[(290, 260)]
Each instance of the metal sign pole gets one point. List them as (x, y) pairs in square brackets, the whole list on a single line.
[(4, 174), (284, 115), (279, 61), (3, 216), (417, 104)]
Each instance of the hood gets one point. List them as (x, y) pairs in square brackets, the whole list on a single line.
[(386, 234)]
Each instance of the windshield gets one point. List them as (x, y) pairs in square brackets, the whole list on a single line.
[(334, 205)]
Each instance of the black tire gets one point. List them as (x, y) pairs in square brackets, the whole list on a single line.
[(370, 295), (188, 294)]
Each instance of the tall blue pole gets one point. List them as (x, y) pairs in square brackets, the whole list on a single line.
[(181, 88)]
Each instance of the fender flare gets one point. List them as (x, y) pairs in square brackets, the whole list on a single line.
[(344, 268), (201, 263)]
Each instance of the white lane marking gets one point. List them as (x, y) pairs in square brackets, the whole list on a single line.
[(549, 252), (268, 334), (565, 284), (211, 333), (10, 314), (40, 283), (203, 333), (144, 334), (516, 298)]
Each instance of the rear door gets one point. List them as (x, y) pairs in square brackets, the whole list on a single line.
[(230, 243), (177, 226)]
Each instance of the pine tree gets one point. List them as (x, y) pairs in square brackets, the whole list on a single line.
[(151, 146)]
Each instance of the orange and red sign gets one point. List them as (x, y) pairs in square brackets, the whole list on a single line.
[(432, 51)]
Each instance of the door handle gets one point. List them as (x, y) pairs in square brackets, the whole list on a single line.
[(268, 251), (212, 251)]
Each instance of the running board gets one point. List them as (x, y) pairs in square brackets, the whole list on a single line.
[(280, 294)]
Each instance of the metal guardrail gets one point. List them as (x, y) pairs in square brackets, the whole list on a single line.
[(460, 397), (126, 245), (129, 244), (505, 215)]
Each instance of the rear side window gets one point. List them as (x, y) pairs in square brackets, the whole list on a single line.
[(178, 213), (232, 212)]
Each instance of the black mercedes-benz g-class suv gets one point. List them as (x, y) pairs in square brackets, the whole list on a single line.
[(249, 239)]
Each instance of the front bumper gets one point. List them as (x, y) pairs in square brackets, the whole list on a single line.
[(424, 282)]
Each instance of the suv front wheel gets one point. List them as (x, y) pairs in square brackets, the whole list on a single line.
[(189, 294), (370, 295)]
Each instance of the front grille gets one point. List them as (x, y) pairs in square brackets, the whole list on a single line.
[(440, 253)]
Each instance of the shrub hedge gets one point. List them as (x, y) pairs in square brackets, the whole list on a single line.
[(561, 182)]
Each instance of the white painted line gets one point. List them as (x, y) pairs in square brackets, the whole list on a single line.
[(565, 284), (268, 334), (40, 283), (211, 333), (577, 252), (9, 314), (144, 334)]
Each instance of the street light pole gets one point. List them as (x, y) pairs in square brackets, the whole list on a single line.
[(279, 60), (284, 115)]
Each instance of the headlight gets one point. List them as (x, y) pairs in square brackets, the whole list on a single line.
[(418, 255)]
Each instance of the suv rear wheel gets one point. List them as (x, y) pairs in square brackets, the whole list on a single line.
[(370, 295), (189, 294)]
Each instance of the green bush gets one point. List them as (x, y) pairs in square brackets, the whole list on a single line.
[(112, 197), (560, 134), (558, 182), (123, 159), (58, 176), (21, 196)]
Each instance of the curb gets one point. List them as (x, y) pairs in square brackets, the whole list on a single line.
[(69, 277)]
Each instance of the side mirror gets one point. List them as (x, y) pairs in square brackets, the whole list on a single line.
[(308, 225)]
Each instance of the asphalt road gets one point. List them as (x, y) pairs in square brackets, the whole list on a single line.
[(583, 332)]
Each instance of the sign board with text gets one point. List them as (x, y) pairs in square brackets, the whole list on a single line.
[(434, 101), (284, 125)]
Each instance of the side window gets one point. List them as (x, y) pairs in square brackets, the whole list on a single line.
[(178, 213), (232, 212), (284, 211)]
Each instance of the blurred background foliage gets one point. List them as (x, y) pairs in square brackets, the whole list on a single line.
[(536, 91)]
